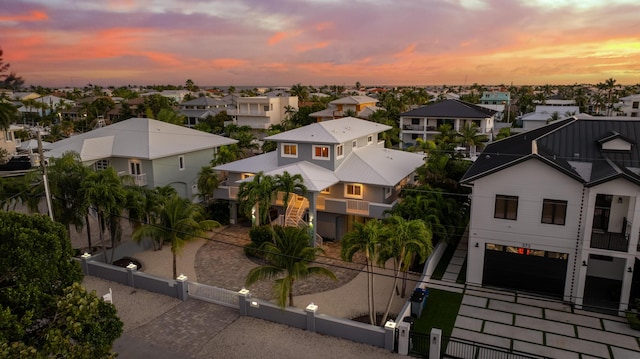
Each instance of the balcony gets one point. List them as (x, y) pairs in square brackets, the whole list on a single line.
[(618, 242), (138, 180)]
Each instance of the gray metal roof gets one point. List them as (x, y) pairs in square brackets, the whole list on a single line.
[(331, 132), (353, 100), (254, 164), (142, 138), (450, 109), (205, 101)]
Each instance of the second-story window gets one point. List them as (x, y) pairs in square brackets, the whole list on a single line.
[(289, 150), (320, 152), (554, 211), (339, 151), (101, 165), (354, 143), (353, 190), (181, 163), (369, 139), (506, 207)]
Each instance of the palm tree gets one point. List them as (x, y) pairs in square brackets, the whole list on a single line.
[(402, 241), (554, 117), (257, 192), (289, 184), (208, 182), (470, 138), (8, 114), (104, 192), (223, 155), (424, 146), (364, 238), (447, 139), (301, 91), (180, 221), (66, 175), (288, 256)]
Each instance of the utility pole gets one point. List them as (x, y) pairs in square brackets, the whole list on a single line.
[(43, 165)]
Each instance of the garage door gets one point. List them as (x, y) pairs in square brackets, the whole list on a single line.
[(525, 269)]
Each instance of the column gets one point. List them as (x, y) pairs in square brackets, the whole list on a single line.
[(435, 343), (390, 335), (312, 196), (311, 317), (85, 263), (182, 287), (243, 300), (131, 268)]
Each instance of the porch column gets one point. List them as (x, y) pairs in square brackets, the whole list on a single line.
[(627, 278), (313, 218)]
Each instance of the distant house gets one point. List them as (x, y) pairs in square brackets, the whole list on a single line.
[(546, 113), (154, 153), (360, 106), (556, 211), (423, 122), (629, 106), (200, 108), (260, 112), (348, 172), (8, 140), (176, 95)]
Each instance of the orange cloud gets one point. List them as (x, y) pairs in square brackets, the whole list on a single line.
[(407, 51), (34, 15), (323, 26), (281, 35), (319, 45)]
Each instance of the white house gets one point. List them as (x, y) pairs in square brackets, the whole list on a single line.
[(556, 211), (423, 122), (630, 106), (361, 106), (260, 112), (349, 174), (155, 153), (544, 113)]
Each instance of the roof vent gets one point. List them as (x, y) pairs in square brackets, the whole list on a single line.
[(576, 154)]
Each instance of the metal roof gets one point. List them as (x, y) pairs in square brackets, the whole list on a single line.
[(353, 100), (332, 132), (450, 109), (562, 145), (142, 138), (378, 166)]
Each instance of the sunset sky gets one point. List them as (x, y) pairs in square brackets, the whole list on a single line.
[(281, 43)]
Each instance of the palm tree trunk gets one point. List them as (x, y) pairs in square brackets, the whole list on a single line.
[(396, 269), (291, 293), (370, 294), (101, 225), (86, 218), (175, 266)]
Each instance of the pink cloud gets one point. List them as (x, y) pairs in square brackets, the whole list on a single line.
[(34, 15)]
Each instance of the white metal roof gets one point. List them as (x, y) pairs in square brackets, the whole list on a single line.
[(315, 178), (142, 138), (378, 166), (334, 131), (254, 164)]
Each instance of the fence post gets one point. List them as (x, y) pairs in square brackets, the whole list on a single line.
[(435, 344), (131, 268), (182, 284), (311, 317), (403, 338), (85, 263), (390, 335), (243, 299)]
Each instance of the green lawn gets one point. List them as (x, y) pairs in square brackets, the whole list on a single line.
[(440, 312)]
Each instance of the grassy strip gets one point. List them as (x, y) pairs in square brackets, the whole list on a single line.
[(440, 312)]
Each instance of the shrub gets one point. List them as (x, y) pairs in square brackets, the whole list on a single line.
[(258, 236)]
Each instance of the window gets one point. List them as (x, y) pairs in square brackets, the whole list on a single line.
[(339, 151), (181, 163), (101, 165), (353, 190), (246, 175), (289, 150), (387, 192), (635, 104), (321, 152), (415, 121), (506, 207), (326, 190), (369, 139), (354, 143), (554, 211), (266, 108), (415, 136)]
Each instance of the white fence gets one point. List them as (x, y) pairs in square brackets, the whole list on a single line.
[(220, 296)]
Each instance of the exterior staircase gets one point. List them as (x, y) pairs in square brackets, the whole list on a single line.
[(298, 205)]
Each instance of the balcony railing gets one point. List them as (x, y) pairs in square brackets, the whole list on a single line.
[(610, 241), (138, 180)]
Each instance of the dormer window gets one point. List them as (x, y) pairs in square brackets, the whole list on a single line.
[(289, 150), (320, 152), (616, 142)]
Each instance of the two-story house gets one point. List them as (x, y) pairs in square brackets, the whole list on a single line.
[(348, 172), (201, 108), (423, 122), (556, 211), (629, 106), (360, 106), (260, 112), (154, 153)]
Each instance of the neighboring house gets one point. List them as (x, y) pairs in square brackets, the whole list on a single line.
[(200, 108), (260, 112), (8, 140), (47, 105), (545, 113), (630, 106), (154, 153), (497, 101), (349, 174), (423, 122), (176, 95), (556, 211), (361, 106)]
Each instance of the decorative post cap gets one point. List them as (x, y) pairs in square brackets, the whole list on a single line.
[(182, 277), (244, 292), (132, 266), (312, 307), (85, 255), (390, 324)]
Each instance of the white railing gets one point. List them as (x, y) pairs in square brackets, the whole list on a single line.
[(357, 207), (215, 295), (140, 180)]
